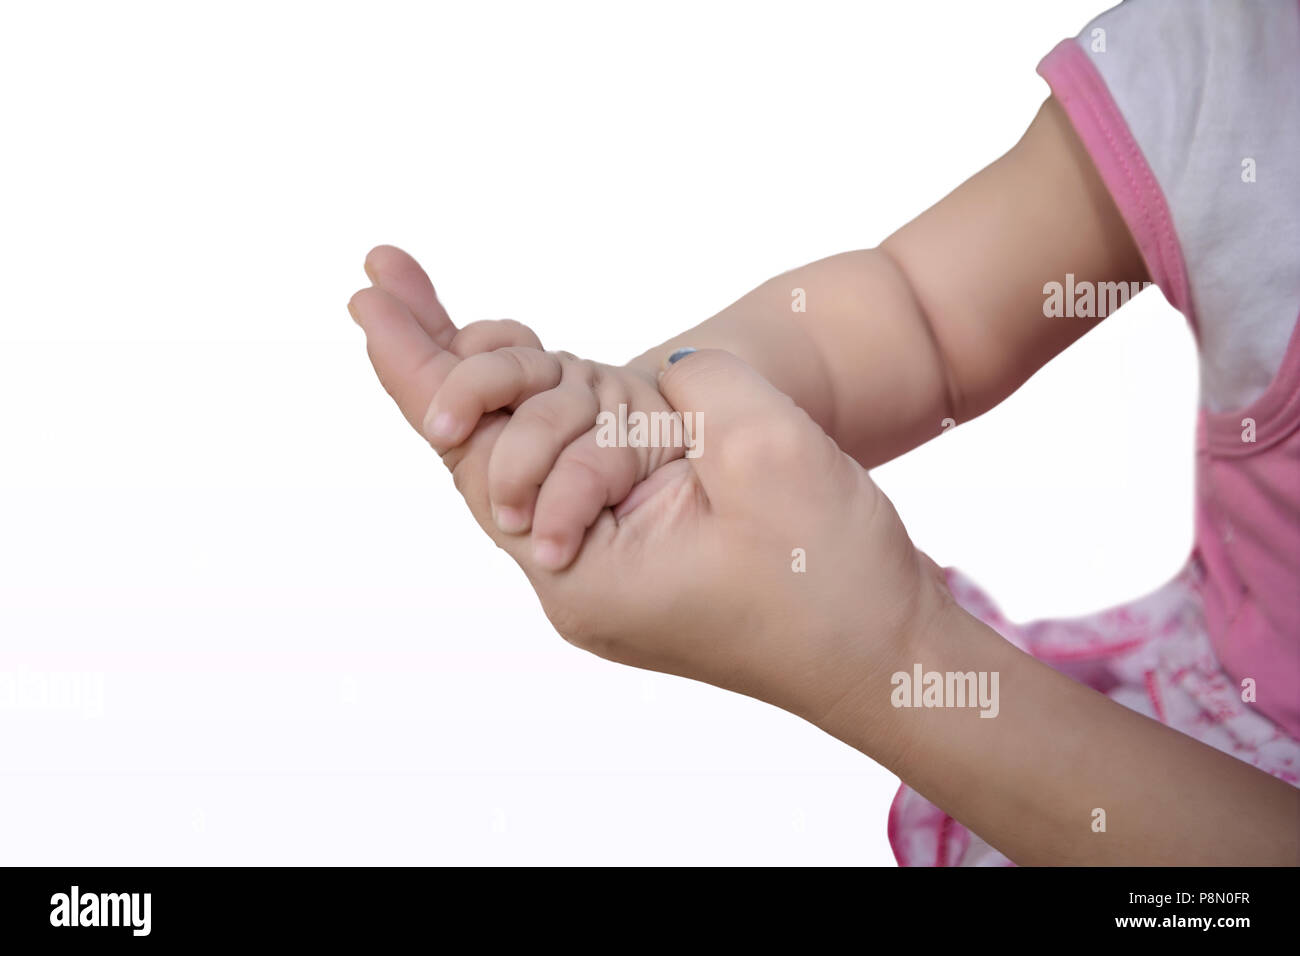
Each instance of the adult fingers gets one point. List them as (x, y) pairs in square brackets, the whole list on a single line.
[(410, 365), (397, 273)]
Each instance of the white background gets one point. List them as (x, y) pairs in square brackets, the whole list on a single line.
[(270, 629)]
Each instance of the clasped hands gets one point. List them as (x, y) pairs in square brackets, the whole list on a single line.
[(640, 554)]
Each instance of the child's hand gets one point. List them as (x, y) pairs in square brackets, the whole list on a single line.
[(553, 469)]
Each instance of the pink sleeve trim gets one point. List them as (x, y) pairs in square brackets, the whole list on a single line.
[(1081, 91)]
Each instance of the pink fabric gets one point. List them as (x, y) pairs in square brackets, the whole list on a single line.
[(1181, 654), (1248, 537)]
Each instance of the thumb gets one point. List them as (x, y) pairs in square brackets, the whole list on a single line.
[(731, 414)]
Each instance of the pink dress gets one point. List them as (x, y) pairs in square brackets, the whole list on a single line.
[(1190, 110)]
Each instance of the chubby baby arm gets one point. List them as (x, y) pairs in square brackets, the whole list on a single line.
[(943, 319)]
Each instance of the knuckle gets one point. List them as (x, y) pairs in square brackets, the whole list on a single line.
[(469, 341), (512, 366), (544, 411), (487, 335), (532, 366), (577, 468), (520, 334)]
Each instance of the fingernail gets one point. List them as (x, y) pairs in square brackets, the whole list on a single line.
[(548, 553), (679, 355), (511, 520), (444, 427)]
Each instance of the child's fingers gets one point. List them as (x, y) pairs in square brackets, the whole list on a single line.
[(539, 430), (469, 462), (401, 276), (585, 480), (483, 383), (410, 365), (493, 334)]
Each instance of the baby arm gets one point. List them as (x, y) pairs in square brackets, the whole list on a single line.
[(944, 319)]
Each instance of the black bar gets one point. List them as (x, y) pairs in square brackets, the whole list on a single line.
[(384, 908)]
